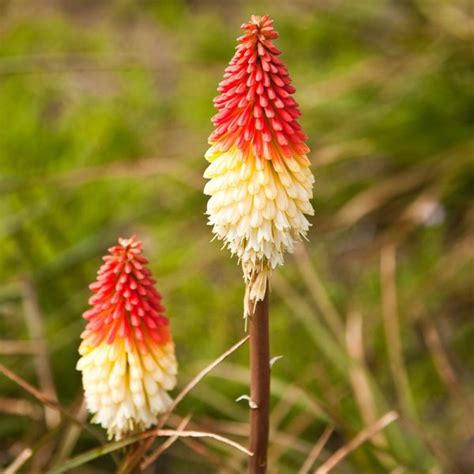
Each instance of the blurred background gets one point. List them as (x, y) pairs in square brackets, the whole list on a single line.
[(105, 111)]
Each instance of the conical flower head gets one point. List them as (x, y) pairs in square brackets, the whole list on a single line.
[(259, 178), (127, 353)]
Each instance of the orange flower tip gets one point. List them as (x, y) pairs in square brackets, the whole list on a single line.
[(127, 359)]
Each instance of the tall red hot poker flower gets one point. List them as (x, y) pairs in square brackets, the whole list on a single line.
[(259, 178), (128, 362)]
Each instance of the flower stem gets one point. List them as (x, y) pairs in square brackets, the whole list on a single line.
[(259, 386)]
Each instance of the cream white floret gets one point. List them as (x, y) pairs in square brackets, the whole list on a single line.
[(125, 389), (257, 207)]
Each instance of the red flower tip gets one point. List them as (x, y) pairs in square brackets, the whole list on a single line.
[(256, 111), (125, 302), (260, 27)]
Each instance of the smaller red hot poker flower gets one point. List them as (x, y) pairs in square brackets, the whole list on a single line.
[(127, 354)]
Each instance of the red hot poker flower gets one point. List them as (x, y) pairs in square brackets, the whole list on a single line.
[(128, 360), (259, 178)]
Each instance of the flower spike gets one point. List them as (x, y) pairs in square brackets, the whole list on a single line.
[(260, 183), (127, 353)]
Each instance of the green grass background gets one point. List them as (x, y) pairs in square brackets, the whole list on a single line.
[(104, 119)]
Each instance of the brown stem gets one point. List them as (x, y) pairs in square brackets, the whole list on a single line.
[(259, 386)]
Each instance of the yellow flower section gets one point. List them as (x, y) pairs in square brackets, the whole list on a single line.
[(125, 389), (257, 207)]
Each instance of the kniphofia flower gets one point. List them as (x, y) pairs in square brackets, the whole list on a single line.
[(128, 362), (260, 182)]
